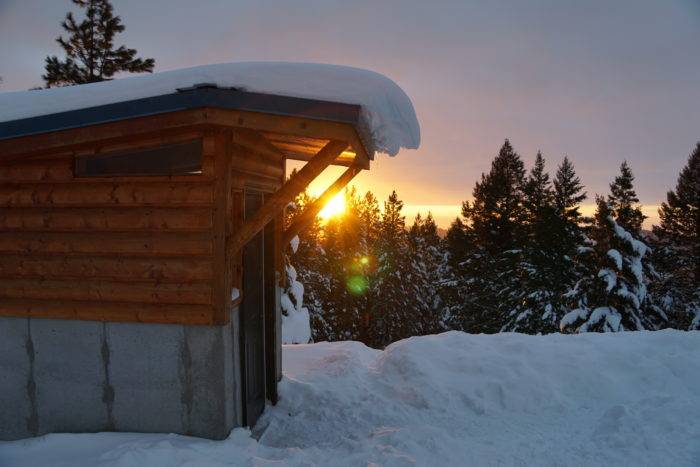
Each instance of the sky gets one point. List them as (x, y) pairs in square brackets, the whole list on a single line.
[(599, 81)]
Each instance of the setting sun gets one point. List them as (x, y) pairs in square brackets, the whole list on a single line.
[(335, 207)]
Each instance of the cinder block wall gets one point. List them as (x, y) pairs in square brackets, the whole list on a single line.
[(87, 376)]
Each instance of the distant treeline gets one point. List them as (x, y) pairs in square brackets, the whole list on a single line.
[(520, 258)]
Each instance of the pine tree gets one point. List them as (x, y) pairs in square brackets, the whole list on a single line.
[(568, 194), (90, 52), (614, 296), (623, 199), (339, 315), (364, 262), (414, 232), (538, 204), (452, 286), (388, 314), (570, 244), (368, 213), (495, 236), (680, 214), (427, 260), (677, 248), (357, 225), (336, 263), (456, 243), (430, 231), (394, 313), (496, 215), (424, 230), (536, 310), (537, 190)]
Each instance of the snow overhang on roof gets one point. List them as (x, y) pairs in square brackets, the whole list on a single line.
[(375, 106)]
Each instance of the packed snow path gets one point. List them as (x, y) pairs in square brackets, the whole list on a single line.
[(451, 399)]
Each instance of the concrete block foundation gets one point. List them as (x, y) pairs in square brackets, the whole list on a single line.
[(86, 376)]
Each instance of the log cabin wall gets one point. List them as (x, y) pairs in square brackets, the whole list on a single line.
[(113, 248), (127, 250)]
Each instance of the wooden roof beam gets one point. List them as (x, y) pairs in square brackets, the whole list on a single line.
[(306, 218), (339, 162), (256, 142), (276, 202)]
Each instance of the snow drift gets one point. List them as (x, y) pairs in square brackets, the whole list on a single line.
[(450, 399), (387, 109), (296, 324)]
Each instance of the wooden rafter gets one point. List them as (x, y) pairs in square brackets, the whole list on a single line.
[(306, 218), (276, 202), (254, 141), (341, 161)]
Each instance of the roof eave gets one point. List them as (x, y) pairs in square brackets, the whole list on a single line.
[(201, 96)]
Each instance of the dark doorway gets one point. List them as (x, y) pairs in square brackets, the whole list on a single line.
[(252, 315)]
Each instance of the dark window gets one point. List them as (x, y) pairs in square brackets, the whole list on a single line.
[(172, 159)]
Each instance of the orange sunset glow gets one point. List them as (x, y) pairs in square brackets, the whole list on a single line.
[(444, 213), (546, 80), (343, 233)]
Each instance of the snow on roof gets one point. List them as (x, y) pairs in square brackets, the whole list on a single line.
[(385, 106)]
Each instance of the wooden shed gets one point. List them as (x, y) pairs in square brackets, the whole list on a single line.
[(141, 251)]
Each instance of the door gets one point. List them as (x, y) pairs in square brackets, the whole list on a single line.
[(252, 318)]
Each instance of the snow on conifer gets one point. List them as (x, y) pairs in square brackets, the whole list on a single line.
[(392, 308), (613, 294), (489, 246), (676, 244), (427, 266), (521, 258), (552, 234), (615, 289), (296, 328)]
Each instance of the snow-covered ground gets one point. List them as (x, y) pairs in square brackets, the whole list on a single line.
[(451, 399)]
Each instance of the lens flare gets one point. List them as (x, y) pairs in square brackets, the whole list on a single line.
[(357, 285)]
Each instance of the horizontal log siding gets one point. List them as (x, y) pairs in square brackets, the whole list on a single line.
[(147, 243), (111, 249), (84, 193), (172, 270), (114, 219)]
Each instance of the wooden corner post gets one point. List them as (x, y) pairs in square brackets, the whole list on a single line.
[(222, 219)]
